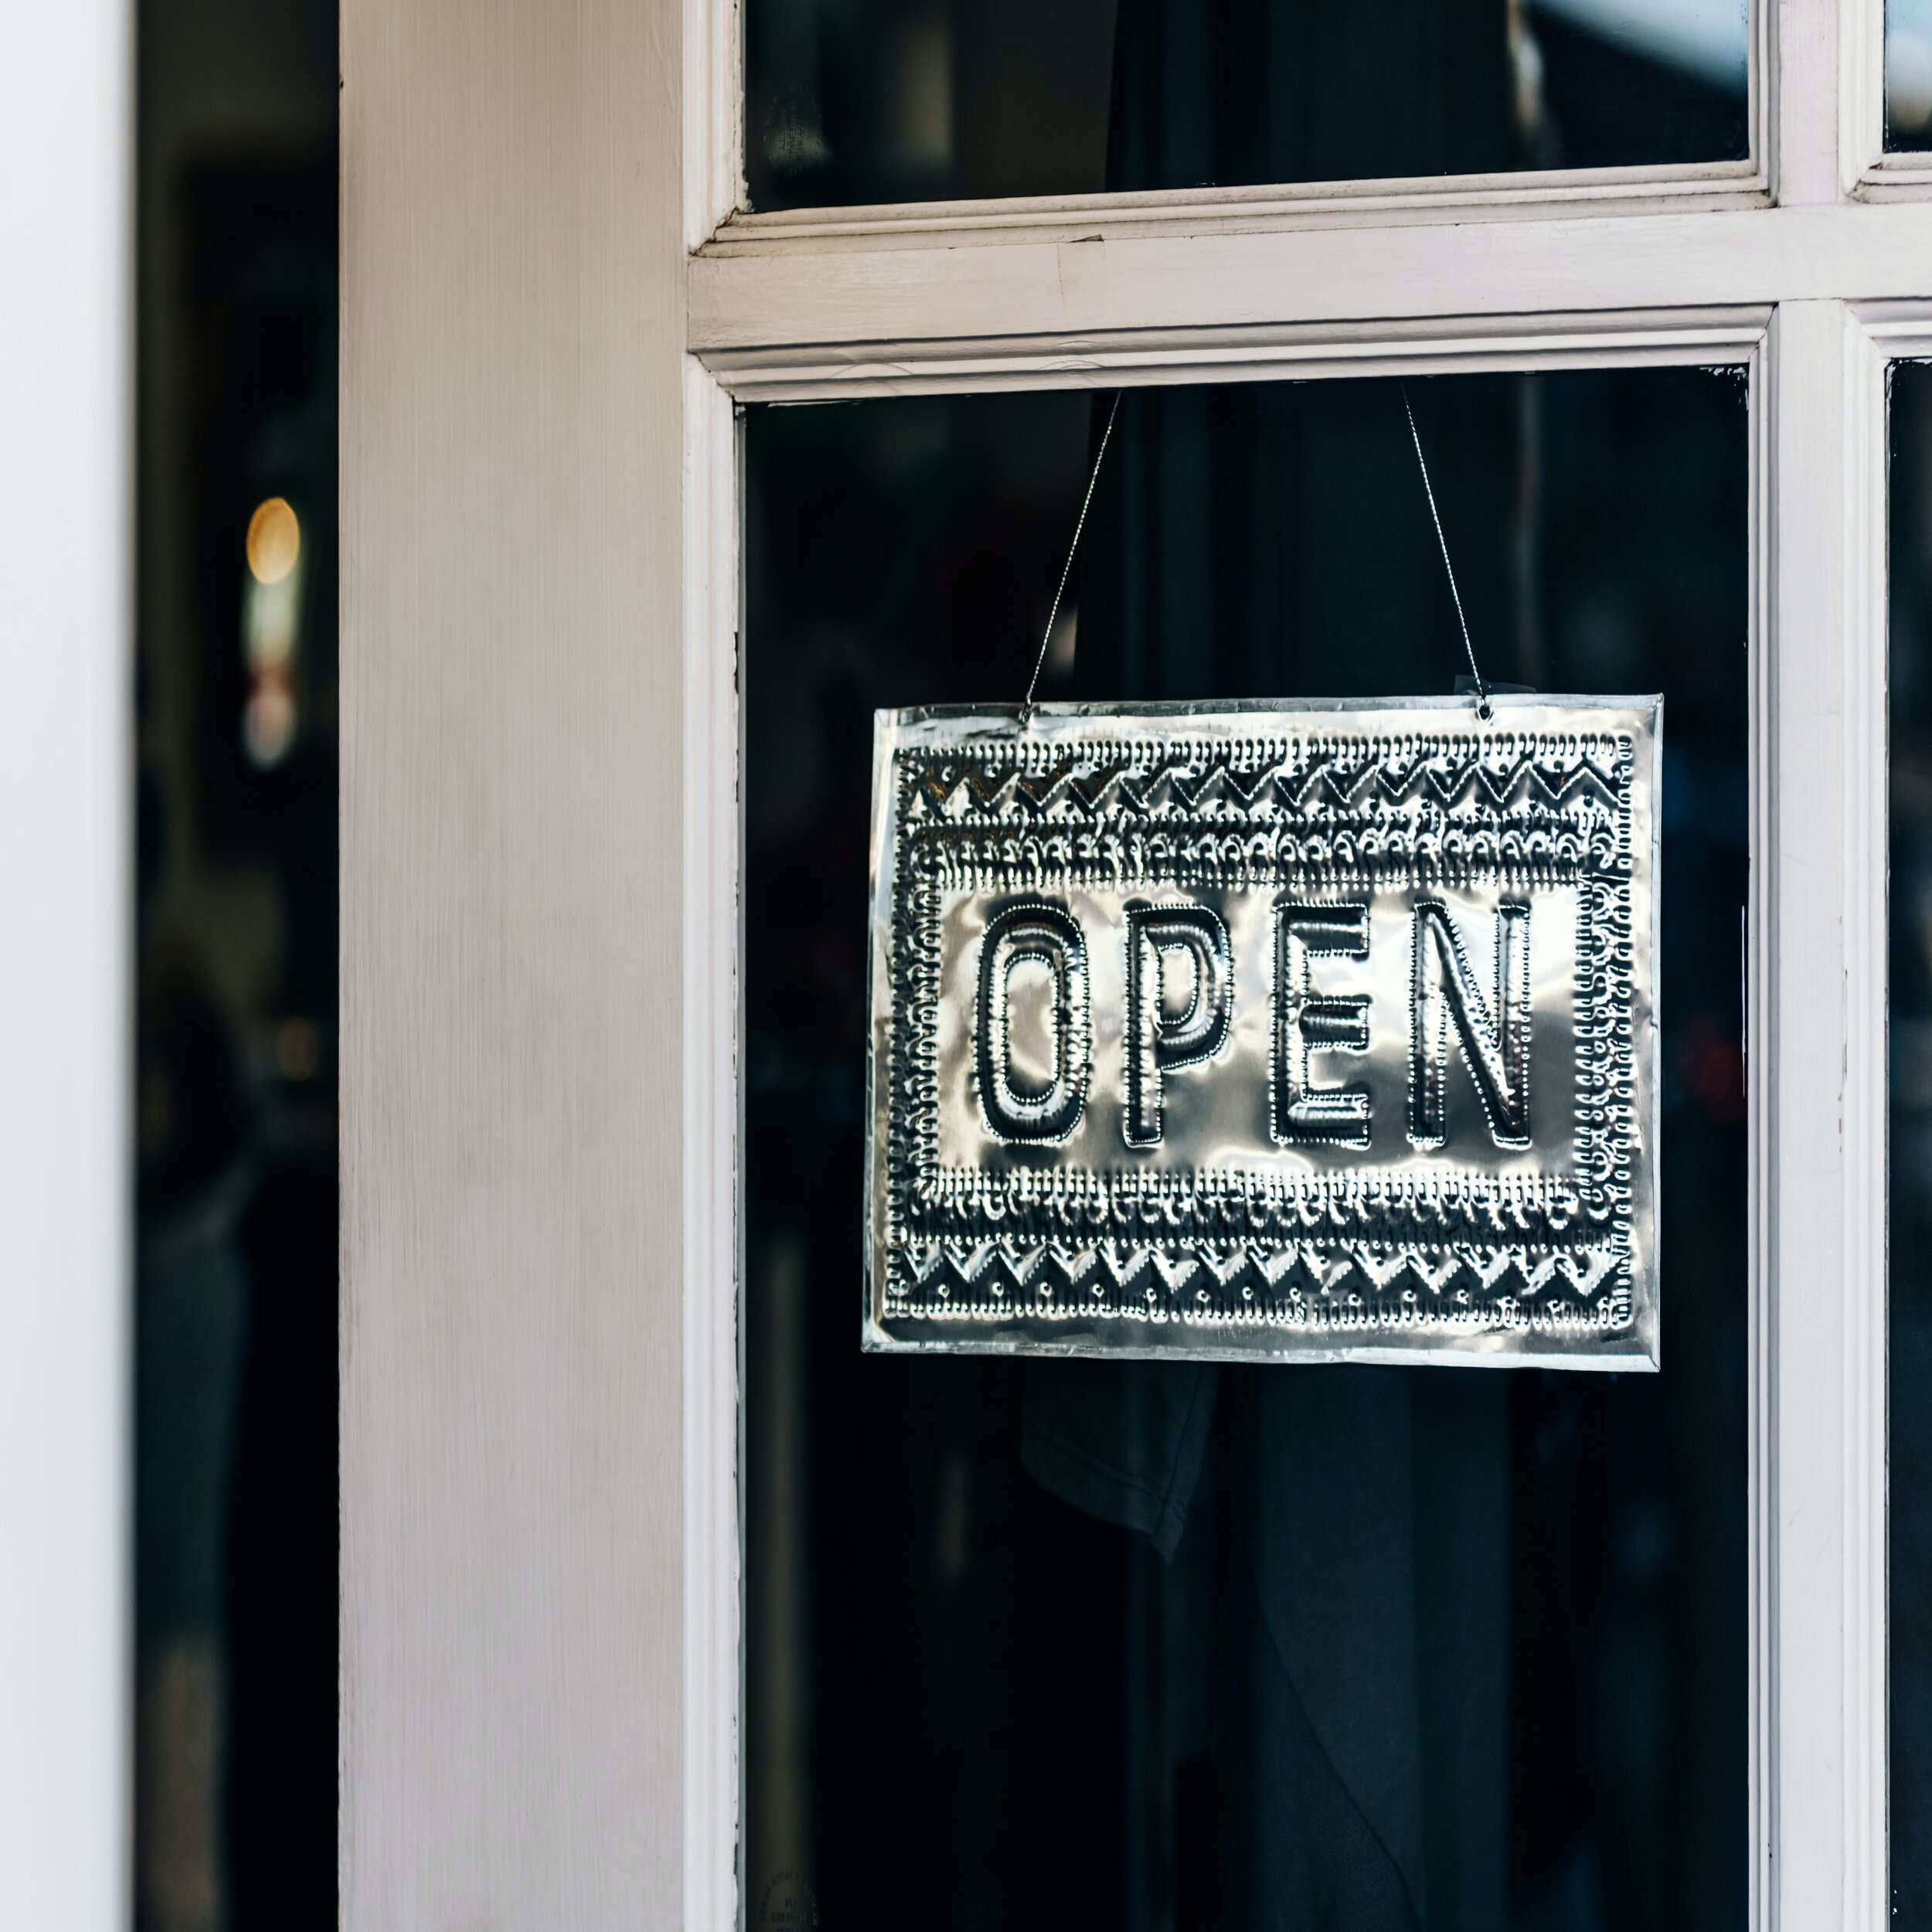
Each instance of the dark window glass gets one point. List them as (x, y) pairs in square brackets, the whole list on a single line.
[(1439, 1646), (889, 101), (1908, 1484), (234, 1378)]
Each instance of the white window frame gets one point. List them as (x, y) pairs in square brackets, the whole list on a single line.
[(593, 180)]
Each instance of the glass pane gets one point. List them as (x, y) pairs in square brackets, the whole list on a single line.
[(1435, 1646), (1909, 1487), (233, 1657), (890, 100), (1908, 73)]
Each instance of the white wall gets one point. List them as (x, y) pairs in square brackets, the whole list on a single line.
[(65, 705)]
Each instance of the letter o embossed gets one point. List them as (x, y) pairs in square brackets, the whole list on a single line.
[(1036, 930)]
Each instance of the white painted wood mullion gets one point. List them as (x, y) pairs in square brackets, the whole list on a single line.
[(714, 117), (1818, 1092), (1861, 40), (1806, 165), (1759, 927), (1866, 1079), (1796, 1076), (1395, 201), (1900, 177), (1888, 333), (1452, 345), (712, 1347), (902, 304), (712, 1700)]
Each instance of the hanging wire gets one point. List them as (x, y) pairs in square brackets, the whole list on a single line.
[(1484, 709), (1072, 550)]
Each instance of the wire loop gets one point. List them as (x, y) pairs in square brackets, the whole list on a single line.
[(1485, 710)]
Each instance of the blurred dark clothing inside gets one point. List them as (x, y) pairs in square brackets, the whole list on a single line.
[(1352, 1543)]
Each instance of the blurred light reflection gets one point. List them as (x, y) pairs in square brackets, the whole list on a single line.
[(271, 630)]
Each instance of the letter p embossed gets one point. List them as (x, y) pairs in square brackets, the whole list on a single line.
[(1157, 1044)]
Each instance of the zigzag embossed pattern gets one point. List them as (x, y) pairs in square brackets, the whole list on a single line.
[(1317, 1285), (1257, 779)]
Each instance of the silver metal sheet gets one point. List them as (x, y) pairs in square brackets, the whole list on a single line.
[(1323, 1031)]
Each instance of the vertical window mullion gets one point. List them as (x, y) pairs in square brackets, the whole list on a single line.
[(1804, 66), (712, 1339), (1817, 1095), (1864, 430)]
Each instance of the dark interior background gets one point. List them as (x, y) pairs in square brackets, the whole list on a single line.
[(903, 100), (971, 1705), (236, 1268), (1909, 1486)]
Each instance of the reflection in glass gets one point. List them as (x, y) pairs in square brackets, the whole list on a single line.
[(854, 101), (1169, 1646), (1908, 1484), (232, 1661), (1908, 73)]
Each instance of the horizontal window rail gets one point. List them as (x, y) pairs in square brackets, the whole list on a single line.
[(846, 316)]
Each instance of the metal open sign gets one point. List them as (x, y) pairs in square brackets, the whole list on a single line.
[(1318, 1032)]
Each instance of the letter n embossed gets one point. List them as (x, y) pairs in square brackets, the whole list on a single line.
[(1495, 1048)]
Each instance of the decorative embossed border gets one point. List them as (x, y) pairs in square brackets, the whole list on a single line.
[(1235, 1262)]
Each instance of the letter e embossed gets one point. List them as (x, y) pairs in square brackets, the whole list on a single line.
[(1306, 1021)]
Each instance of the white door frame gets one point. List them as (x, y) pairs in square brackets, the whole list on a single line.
[(481, 1773), (67, 824)]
